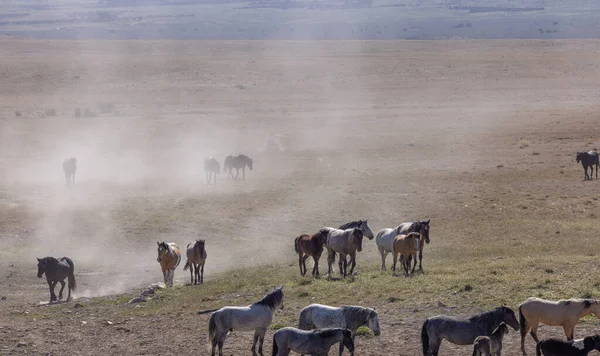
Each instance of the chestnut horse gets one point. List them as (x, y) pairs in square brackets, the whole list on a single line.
[(307, 245), (169, 257)]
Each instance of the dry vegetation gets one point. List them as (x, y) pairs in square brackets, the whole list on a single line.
[(389, 131)]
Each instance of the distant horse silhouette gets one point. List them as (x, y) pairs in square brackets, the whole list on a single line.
[(212, 167), (588, 159), (56, 271), (196, 257), (310, 245), (70, 166), (169, 257), (237, 162)]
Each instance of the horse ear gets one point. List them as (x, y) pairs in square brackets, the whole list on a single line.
[(428, 221), (157, 243), (39, 259)]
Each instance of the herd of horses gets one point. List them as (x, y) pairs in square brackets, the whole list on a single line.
[(212, 167)]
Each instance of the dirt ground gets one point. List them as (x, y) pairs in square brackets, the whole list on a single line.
[(478, 136)]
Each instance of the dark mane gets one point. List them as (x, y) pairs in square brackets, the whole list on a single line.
[(351, 312), (243, 156), (49, 259), (329, 332), (355, 224), (272, 299), (492, 315)]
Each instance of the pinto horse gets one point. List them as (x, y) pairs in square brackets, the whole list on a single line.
[(169, 257), (310, 245)]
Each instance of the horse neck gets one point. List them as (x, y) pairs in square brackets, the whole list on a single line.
[(488, 321)]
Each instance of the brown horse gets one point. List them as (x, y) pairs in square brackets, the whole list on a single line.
[(424, 230), (565, 313), (407, 247), (169, 258), (306, 245), (196, 257)]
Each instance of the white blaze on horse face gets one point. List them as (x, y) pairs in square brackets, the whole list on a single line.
[(578, 344)]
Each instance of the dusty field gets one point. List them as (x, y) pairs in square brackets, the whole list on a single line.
[(478, 136)]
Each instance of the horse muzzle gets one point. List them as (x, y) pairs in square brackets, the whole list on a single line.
[(158, 260), (40, 275), (377, 332)]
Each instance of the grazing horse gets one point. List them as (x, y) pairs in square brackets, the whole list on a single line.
[(351, 317), (344, 242), (212, 167), (385, 239), (56, 271), (490, 345), (316, 342), (588, 159), (556, 347), (565, 313), (463, 332), (257, 317), (70, 166), (196, 257), (407, 247), (237, 162), (169, 258), (307, 245)]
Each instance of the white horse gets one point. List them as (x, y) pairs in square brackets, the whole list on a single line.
[(257, 317), (385, 238), (345, 242), (316, 342), (319, 316)]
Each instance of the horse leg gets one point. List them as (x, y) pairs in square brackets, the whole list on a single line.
[(194, 267), (261, 340), (304, 263), (353, 261), (524, 329), (221, 342), (315, 271), (569, 331), (420, 260), (191, 273), (237, 173), (62, 287), (244, 172), (394, 260), (202, 273), (51, 285), (300, 263), (383, 254)]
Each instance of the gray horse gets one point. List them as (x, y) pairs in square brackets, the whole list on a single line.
[(315, 342), (212, 167), (463, 332), (345, 242)]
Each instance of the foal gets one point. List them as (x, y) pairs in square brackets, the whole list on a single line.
[(306, 245), (490, 345), (313, 342), (556, 347), (407, 247)]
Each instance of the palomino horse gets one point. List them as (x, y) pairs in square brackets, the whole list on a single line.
[(315, 342), (70, 166), (257, 317), (307, 245), (556, 347), (463, 332), (385, 239), (407, 247), (490, 345), (588, 159), (169, 258), (351, 317), (237, 162), (196, 257), (344, 242), (565, 313), (56, 271), (212, 167)]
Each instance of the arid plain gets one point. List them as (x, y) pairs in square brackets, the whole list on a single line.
[(478, 136)]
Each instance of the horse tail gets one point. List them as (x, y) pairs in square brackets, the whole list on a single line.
[(212, 330), (275, 347), (522, 322), (538, 349), (475, 348), (187, 265), (425, 338), (72, 283), (296, 242)]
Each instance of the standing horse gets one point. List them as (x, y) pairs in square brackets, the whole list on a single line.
[(257, 317), (385, 239), (556, 347), (316, 342), (212, 167), (351, 317), (344, 242), (56, 271), (196, 257), (169, 258), (407, 247), (565, 313), (588, 159), (307, 245), (238, 162), (463, 332), (69, 167), (362, 225), (490, 345)]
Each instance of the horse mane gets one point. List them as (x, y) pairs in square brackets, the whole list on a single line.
[(272, 299), (50, 259), (352, 224), (495, 315), (243, 156), (329, 332), (413, 233), (352, 312), (502, 328)]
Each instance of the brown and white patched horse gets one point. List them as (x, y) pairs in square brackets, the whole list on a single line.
[(169, 257)]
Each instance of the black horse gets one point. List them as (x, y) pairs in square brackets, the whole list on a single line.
[(56, 271), (556, 347), (588, 159), (237, 162)]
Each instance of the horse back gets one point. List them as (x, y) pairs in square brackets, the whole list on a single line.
[(459, 332)]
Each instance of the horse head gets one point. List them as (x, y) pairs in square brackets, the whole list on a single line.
[(322, 236), (41, 267), (357, 236), (509, 317), (424, 230), (366, 230), (579, 156), (502, 329), (593, 306), (163, 248), (347, 340), (373, 322)]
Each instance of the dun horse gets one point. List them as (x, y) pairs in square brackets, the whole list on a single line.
[(307, 245), (407, 247), (385, 239), (169, 258), (317, 342), (211, 167), (196, 257), (69, 167), (237, 162), (463, 332), (490, 345), (588, 159), (257, 317), (56, 271), (556, 347), (565, 313), (344, 242), (318, 316)]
